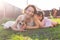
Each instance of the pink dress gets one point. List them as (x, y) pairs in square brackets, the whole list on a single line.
[(47, 22)]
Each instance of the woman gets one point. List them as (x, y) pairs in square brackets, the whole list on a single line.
[(44, 21), (30, 21), (54, 12)]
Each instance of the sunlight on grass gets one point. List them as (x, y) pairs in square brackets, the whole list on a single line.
[(20, 37), (56, 20)]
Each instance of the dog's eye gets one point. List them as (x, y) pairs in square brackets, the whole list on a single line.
[(20, 23)]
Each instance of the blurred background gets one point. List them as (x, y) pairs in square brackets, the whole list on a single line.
[(13, 8)]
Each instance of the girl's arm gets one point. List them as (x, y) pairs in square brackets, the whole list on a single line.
[(41, 23)]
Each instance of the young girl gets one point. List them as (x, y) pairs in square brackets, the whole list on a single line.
[(44, 21)]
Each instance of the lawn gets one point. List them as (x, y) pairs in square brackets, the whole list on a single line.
[(36, 34)]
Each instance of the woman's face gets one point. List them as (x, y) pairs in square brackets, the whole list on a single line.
[(29, 11), (54, 10)]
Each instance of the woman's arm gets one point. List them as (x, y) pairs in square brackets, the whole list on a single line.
[(35, 26)]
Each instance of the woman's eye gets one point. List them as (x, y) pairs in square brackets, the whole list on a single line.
[(30, 11)]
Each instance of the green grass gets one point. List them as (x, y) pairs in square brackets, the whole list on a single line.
[(35, 34)]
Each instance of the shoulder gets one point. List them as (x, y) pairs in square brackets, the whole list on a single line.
[(35, 17)]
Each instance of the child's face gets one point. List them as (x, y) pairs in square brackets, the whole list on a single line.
[(40, 17)]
